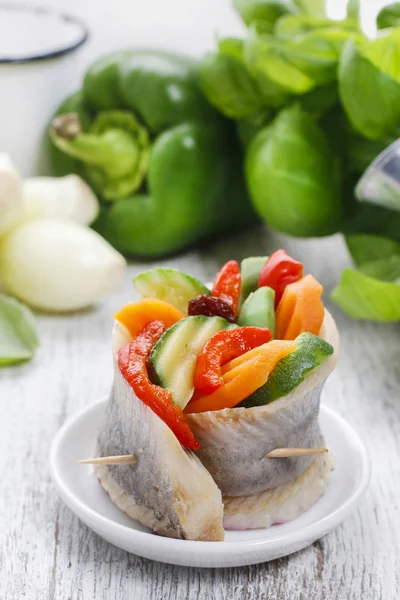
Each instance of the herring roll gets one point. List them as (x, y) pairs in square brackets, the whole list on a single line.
[(208, 381)]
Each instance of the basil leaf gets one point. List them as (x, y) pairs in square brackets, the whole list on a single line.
[(362, 151), (227, 83), (384, 269), (368, 218), (313, 46), (315, 8), (292, 177), (292, 27), (370, 248), (384, 53), (265, 58), (389, 16), (363, 297), (18, 336), (353, 10), (320, 100), (369, 85), (248, 127), (317, 52), (268, 11), (231, 47), (334, 124)]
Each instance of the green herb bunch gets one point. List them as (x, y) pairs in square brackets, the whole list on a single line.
[(315, 101)]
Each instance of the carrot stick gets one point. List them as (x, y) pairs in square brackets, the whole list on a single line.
[(300, 309), (137, 315), (243, 377)]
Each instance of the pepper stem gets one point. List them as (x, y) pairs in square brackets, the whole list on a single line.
[(114, 151)]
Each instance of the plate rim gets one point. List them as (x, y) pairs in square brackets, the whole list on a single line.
[(203, 548)]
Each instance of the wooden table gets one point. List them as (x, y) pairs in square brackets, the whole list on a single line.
[(47, 554)]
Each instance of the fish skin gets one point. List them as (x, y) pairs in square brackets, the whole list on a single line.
[(233, 446), (281, 504), (168, 489), (234, 441)]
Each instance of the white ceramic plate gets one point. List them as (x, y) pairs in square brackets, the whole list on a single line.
[(80, 490)]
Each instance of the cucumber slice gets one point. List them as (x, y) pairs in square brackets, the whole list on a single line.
[(171, 285), (250, 270), (258, 309), (174, 356), (310, 353)]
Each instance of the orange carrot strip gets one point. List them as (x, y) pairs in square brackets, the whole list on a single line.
[(137, 315), (250, 355), (243, 378), (300, 309)]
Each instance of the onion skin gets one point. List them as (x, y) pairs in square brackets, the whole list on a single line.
[(68, 197), (58, 266), (10, 194)]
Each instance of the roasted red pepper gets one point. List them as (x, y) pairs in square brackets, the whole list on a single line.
[(132, 360), (279, 270), (221, 348), (227, 284)]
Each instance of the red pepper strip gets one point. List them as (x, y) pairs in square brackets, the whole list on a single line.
[(132, 360), (221, 348), (279, 270), (227, 284)]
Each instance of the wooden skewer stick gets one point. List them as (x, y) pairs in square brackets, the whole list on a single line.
[(287, 452), (128, 459)]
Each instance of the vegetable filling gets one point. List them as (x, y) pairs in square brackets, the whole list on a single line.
[(213, 359)]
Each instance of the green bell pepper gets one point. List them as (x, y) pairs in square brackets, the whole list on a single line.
[(61, 163), (168, 168)]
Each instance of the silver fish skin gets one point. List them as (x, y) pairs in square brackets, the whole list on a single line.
[(234, 441), (168, 489), (281, 504)]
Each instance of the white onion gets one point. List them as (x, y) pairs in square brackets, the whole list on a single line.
[(10, 194), (58, 265), (66, 197)]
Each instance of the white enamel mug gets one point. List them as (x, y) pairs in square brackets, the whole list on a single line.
[(37, 61)]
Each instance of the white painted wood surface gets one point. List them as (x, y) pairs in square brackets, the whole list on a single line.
[(47, 554)]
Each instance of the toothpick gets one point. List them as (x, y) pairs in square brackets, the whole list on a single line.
[(128, 459), (287, 452)]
